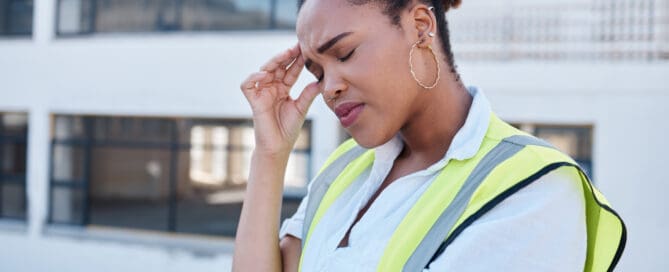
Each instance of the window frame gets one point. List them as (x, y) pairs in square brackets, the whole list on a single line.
[(175, 146), (5, 178), (273, 23)]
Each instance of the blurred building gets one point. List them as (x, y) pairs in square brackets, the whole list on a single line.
[(124, 138)]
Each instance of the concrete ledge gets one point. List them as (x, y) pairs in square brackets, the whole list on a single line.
[(198, 245)]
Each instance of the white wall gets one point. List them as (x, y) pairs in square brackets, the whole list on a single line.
[(198, 75)]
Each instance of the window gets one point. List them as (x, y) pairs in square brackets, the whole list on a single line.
[(573, 140), (13, 139), (16, 17), (107, 16), (164, 174)]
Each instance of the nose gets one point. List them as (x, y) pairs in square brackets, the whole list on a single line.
[(333, 88)]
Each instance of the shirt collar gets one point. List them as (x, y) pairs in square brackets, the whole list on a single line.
[(465, 144)]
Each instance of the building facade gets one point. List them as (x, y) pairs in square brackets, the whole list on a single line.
[(124, 138)]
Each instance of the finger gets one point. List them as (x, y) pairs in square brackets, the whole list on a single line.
[(293, 72), (306, 98), (252, 82), (294, 53), (279, 74), (281, 60)]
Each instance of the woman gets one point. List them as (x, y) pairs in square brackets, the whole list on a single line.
[(432, 180)]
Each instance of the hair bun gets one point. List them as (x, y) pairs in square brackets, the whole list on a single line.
[(448, 4)]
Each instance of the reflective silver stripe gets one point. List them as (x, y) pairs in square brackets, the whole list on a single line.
[(527, 140), (322, 183), (437, 234)]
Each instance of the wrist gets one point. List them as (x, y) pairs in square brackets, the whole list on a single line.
[(270, 155), (268, 168)]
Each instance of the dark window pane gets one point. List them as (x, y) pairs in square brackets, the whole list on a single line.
[(137, 213), (13, 138), (68, 163), (575, 141), (118, 130), (86, 16), (213, 210), (209, 212), (129, 187), (13, 199), (16, 17), (13, 159), (225, 14), (66, 205), (289, 207)]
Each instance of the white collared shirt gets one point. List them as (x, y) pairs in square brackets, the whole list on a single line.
[(539, 228)]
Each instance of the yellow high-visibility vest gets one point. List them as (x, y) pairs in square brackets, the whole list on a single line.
[(507, 161)]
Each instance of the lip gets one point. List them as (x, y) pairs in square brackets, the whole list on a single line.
[(348, 112)]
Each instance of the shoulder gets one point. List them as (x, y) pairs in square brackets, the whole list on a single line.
[(539, 228)]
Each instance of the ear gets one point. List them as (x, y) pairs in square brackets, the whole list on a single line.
[(422, 22)]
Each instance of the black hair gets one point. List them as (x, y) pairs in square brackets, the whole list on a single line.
[(393, 8)]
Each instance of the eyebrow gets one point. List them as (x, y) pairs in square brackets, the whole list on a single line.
[(332, 42), (327, 45)]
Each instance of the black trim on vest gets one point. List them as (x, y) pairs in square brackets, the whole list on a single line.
[(623, 236), (504, 195)]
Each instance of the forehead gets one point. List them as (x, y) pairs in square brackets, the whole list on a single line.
[(319, 20)]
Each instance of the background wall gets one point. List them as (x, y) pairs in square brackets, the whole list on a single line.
[(198, 75)]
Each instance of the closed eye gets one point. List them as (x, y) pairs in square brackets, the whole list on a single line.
[(342, 59), (347, 56)]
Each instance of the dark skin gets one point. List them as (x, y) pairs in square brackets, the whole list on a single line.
[(421, 149), (369, 66)]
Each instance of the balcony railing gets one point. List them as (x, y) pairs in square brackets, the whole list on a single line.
[(566, 29)]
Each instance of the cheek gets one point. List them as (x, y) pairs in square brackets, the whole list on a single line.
[(393, 67), (382, 79), (394, 79), (381, 71)]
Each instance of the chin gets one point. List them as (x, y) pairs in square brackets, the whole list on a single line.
[(368, 138)]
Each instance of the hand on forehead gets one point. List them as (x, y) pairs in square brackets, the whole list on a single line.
[(321, 21)]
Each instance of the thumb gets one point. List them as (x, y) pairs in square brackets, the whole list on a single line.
[(307, 96)]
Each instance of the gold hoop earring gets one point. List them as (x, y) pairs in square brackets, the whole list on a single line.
[(413, 74)]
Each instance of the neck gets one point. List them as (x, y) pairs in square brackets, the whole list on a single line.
[(439, 114)]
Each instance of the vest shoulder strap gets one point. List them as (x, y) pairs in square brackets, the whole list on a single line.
[(434, 241), (322, 182)]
